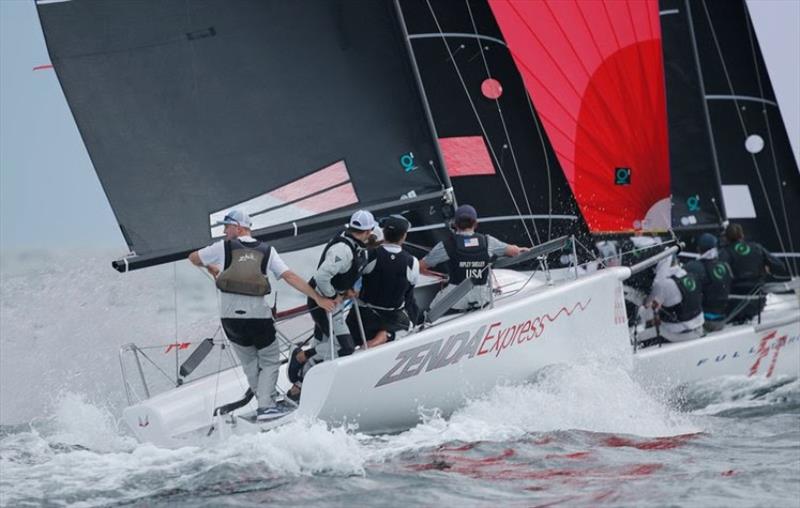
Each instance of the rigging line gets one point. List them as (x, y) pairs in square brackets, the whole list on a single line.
[(618, 90), (507, 135), (590, 135), (608, 110), (750, 33), (630, 133), (701, 82), (629, 124), (547, 167), (216, 385), (744, 127), (175, 303), (648, 96), (598, 145), (477, 116), (225, 342), (616, 124)]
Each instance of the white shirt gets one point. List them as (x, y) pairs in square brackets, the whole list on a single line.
[(665, 291), (242, 306), (214, 254)]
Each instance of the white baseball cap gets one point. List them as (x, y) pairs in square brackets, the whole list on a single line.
[(362, 220), (236, 218)]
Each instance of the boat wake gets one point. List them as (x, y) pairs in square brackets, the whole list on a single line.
[(81, 452), (740, 396)]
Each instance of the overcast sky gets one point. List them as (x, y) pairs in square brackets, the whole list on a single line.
[(50, 195)]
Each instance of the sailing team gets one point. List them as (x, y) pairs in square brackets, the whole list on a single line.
[(383, 272), (362, 292), (720, 286)]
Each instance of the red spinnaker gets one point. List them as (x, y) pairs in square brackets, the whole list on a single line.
[(595, 73)]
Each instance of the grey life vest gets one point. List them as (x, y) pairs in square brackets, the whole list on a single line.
[(343, 281), (243, 283), (245, 268)]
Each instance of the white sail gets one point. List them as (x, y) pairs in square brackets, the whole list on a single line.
[(777, 24)]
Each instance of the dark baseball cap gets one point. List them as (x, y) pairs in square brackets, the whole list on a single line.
[(706, 241), (466, 212), (395, 223)]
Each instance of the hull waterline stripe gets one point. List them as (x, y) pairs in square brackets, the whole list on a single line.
[(740, 98)]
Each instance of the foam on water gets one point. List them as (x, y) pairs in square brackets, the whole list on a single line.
[(589, 397), (741, 395)]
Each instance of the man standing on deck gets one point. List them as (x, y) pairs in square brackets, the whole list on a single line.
[(240, 264), (388, 279), (715, 279), (751, 263), (467, 254), (340, 266)]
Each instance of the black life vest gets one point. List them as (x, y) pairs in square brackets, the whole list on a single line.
[(245, 268), (747, 262), (468, 257), (343, 281), (716, 285), (691, 303), (387, 286)]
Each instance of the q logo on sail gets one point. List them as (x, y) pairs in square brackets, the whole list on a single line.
[(407, 161)]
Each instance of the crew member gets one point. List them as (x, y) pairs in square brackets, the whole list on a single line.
[(751, 263), (676, 298), (388, 280), (240, 264), (339, 268), (467, 254), (715, 279)]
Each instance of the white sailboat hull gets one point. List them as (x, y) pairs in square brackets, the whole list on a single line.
[(388, 388), (771, 348)]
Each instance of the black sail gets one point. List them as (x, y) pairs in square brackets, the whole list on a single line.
[(512, 175), (695, 181), (298, 112), (758, 171)]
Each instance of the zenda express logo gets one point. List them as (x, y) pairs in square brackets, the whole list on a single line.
[(689, 283), (719, 271)]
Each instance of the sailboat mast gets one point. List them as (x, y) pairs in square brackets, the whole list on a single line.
[(707, 114), (442, 169)]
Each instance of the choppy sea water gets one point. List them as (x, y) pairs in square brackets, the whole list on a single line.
[(578, 435)]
